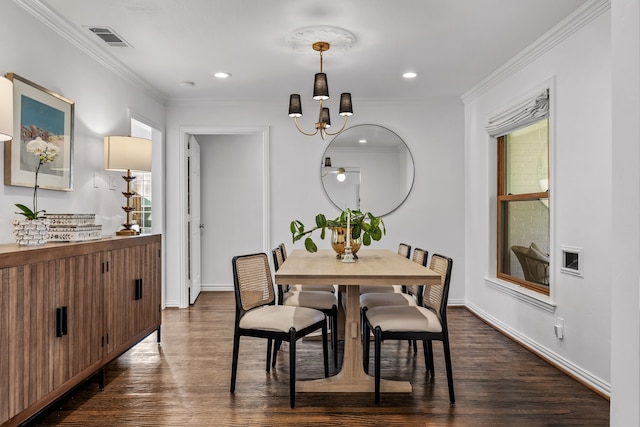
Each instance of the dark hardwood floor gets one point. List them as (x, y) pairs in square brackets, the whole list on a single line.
[(185, 381)]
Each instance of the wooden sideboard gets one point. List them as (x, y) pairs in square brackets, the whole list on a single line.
[(68, 309)]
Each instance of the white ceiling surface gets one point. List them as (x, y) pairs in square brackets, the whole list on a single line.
[(451, 44)]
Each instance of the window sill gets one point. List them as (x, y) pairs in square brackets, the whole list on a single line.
[(523, 294)]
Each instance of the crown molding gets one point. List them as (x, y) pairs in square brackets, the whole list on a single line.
[(564, 29), (48, 16)]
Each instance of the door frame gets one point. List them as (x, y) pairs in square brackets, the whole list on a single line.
[(185, 131)]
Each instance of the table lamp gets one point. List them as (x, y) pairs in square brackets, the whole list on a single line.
[(126, 153)]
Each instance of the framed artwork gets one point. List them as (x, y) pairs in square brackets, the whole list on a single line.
[(38, 112)]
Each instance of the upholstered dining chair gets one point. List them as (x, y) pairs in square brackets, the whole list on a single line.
[(411, 297), (327, 302), (426, 323), (325, 288), (403, 250), (258, 316)]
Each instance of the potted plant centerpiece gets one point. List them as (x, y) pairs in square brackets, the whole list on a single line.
[(365, 227), (33, 228)]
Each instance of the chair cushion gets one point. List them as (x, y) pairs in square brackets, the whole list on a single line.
[(377, 300), (323, 288), (280, 318), (404, 319), (366, 289), (313, 299)]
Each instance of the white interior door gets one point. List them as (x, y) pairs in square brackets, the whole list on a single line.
[(195, 227)]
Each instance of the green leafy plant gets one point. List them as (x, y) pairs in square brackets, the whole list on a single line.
[(364, 225), (46, 152)]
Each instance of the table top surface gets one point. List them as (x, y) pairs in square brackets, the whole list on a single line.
[(373, 267)]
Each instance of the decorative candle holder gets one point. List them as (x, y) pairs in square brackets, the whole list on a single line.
[(348, 256)]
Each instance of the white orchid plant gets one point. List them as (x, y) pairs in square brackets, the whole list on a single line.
[(46, 152)]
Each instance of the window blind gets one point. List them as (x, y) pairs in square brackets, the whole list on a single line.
[(521, 115)]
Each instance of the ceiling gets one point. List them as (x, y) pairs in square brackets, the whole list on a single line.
[(451, 44)]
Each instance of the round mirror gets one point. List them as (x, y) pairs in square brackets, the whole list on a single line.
[(368, 168)]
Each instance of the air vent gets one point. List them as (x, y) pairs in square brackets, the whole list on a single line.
[(109, 36)]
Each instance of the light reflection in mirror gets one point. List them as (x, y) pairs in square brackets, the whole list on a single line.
[(378, 174)]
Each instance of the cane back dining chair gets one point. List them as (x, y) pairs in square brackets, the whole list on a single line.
[(325, 301), (411, 297), (426, 323), (403, 250), (325, 288), (258, 316)]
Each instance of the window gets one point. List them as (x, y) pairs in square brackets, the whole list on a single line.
[(141, 186), (523, 206), (141, 202)]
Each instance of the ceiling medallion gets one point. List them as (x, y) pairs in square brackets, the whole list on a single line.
[(302, 39)]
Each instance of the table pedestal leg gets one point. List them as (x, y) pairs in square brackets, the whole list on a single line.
[(352, 377)]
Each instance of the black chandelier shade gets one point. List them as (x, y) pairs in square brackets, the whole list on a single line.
[(295, 106), (325, 117), (346, 108), (320, 87)]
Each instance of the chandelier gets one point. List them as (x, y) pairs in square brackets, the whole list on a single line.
[(321, 93)]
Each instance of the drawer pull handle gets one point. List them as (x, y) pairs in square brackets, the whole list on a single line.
[(138, 284), (61, 321)]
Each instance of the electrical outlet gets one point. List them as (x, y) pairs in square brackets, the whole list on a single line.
[(113, 183), (558, 328)]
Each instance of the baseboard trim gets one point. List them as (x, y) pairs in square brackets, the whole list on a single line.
[(218, 287), (587, 379)]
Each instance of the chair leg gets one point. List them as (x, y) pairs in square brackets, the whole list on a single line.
[(430, 350), (334, 337), (415, 346), (292, 367), (366, 339), (276, 347), (269, 344), (234, 361), (325, 350), (377, 357), (447, 361), (425, 348)]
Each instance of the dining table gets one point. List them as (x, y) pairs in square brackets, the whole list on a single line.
[(374, 267)]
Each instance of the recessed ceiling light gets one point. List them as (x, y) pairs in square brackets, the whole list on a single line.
[(187, 84), (362, 141), (221, 75), (410, 75)]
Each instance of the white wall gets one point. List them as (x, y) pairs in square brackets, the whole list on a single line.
[(625, 268), (432, 217), (102, 102), (581, 156), (231, 203)]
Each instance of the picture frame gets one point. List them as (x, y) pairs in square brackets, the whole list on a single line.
[(39, 112)]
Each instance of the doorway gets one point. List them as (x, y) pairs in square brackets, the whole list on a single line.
[(221, 237)]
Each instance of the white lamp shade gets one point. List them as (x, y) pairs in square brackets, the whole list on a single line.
[(123, 153), (6, 109)]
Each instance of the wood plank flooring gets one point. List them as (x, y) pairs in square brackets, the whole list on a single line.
[(185, 381)]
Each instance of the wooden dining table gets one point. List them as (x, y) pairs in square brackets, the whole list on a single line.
[(376, 267)]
